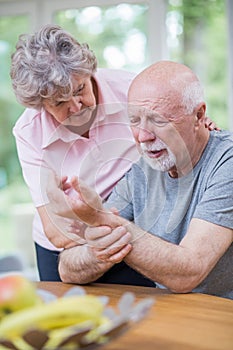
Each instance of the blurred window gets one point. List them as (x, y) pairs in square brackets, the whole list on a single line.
[(12, 188), (117, 34)]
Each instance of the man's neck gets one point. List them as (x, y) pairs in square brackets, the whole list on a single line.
[(192, 158)]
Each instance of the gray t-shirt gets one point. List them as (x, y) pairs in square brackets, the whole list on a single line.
[(164, 206)]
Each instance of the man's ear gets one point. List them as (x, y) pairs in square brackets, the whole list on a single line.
[(200, 114)]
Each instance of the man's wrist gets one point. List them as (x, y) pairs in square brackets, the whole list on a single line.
[(107, 218)]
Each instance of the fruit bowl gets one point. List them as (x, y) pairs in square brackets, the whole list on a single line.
[(87, 334)]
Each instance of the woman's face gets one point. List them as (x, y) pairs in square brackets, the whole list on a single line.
[(78, 110)]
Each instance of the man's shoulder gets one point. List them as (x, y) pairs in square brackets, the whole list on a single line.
[(224, 135), (218, 156), (222, 142)]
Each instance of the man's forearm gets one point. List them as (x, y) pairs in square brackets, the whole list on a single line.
[(179, 267), (79, 265), (172, 265)]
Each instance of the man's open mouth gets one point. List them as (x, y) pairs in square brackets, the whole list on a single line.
[(154, 153)]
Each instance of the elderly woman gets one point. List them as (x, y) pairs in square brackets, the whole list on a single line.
[(75, 123)]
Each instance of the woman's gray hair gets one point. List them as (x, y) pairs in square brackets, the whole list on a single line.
[(43, 65)]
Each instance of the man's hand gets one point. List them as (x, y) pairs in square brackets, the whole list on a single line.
[(107, 244), (86, 205)]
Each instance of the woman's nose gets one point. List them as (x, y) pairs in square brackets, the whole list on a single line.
[(75, 105)]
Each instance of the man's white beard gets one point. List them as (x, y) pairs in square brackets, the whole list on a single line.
[(165, 162)]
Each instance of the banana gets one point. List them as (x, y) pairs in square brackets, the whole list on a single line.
[(63, 336), (95, 336), (59, 313), (21, 344), (2, 314), (18, 344), (72, 336)]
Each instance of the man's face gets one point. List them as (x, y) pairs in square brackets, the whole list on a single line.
[(161, 130), (78, 110), (149, 130)]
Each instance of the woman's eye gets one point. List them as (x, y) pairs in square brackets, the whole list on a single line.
[(58, 103), (80, 88)]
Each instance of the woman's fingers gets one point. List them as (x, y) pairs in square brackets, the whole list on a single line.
[(114, 254), (107, 244), (103, 237)]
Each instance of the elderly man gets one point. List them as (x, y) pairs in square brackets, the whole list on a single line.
[(174, 223)]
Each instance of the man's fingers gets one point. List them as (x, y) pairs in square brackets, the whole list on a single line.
[(87, 194), (65, 185)]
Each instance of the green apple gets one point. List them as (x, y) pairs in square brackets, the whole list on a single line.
[(16, 292)]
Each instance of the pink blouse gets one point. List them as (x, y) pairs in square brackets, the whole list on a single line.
[(101, 160)]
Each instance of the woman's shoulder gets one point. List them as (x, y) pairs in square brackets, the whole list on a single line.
[(27, 119), (114, 75)]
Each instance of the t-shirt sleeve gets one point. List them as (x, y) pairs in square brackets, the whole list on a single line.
[(121, 197), (216, 203)]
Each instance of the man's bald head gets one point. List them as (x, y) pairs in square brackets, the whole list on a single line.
[(166, 79)]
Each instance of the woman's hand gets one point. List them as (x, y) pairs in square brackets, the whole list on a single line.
[(109, 245), (62, 232), (210, 124), (61, 225)]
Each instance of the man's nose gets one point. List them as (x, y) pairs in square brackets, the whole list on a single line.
[(144, 135), (75, 104)]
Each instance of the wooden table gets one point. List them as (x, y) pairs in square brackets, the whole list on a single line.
[(175, 322)]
